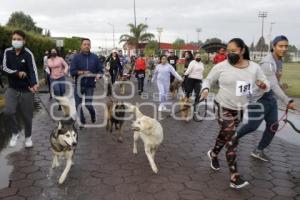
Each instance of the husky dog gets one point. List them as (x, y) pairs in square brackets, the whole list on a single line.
[(63, 139)]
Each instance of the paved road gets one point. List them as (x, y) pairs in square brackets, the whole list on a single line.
[(108, 170)]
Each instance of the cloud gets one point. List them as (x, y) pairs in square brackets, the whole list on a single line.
[(218, 18)]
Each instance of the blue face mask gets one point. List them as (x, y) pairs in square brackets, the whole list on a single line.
[(17, 44)]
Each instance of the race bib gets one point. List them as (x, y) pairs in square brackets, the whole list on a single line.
[(243, 88), (172, 62)]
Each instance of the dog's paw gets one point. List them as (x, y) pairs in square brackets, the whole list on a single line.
[(135, 152), (154, 169), (120, 140), (61, 180)]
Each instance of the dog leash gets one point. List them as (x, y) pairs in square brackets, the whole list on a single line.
[(284, 118)]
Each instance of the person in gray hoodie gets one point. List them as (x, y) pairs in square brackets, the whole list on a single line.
[(264, 105)]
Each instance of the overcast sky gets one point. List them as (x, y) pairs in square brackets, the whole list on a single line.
[(224, 19)]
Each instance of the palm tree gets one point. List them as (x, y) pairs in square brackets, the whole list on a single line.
[(137, 35)]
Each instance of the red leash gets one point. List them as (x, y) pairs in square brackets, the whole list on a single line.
[(284, 119)]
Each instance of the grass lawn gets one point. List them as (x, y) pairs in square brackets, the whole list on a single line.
[(291, 76)]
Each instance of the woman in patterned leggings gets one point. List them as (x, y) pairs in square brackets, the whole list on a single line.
[(238, 79)]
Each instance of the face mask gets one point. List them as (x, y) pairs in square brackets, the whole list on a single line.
[(198, 59), (17, 44), (233, 58), (53, 54)]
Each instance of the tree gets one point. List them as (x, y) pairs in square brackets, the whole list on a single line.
[(137, 35), (151, 48), (72, 43), (22, 21), (261, 45), (178, 44), (213, 40)]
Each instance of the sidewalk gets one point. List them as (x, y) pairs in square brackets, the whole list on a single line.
[(107, 170)]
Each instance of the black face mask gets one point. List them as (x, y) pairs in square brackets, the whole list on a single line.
[(53, 54), (233, 58), (198, 59)]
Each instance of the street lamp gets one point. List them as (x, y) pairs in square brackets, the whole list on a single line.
[(113, 26), (159, 30), (134, 13), (271, 29), (262, 15), (198, 30)]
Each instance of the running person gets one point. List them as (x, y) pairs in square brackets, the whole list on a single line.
[(115, 66), (272, 67), (162, 75), (173, 59), (194, 73), (236, 76), (140, 68), (20, 67)]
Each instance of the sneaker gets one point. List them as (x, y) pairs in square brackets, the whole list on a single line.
[(165, 109), (214, 162), (93, 119), (259, 154), (13, 140), (28, 142), (238, 183), (160, 108)]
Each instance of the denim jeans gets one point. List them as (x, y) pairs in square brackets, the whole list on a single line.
[(269, 113), (87, 93), (59, 86)]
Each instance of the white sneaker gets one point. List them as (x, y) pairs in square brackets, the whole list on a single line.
[(165, 109), (28, 142), (13, 140)]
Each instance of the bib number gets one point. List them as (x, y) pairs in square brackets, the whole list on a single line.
[(243, 88)]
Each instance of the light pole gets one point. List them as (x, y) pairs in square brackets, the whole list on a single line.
[(262, 15), (113, 26), (271, 29), (134, 12), (159, 30), (198, 30)]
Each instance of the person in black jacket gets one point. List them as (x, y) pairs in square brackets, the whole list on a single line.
[(115, 66), (20, 67)]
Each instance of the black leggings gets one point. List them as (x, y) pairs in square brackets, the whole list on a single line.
[(193, 85)]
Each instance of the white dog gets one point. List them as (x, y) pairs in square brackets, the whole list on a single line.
[(150, 131), (63, 139)]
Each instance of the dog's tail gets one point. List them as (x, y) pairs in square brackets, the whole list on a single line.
[(67, 107)]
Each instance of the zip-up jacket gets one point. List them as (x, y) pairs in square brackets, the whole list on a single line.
[(86, 62), (24, 62)]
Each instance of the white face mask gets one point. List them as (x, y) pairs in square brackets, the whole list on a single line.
[(17, 44)]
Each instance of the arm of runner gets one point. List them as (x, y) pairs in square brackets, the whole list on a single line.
[(270, 74), (174, 73)]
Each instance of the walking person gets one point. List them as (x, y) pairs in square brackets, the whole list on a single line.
[(272, 66), (115, 66), (162, 76), (194, 73), (220, 56), (140, 68), (59, 70), (20, 67), (188, 58), (173, 59), (151, 67), (87, 69), (237, 77), (47, 73)]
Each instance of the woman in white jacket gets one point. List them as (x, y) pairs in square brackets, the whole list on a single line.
[(194, 75)]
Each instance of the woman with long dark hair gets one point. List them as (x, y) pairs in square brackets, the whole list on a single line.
[(238, 77), (115, 66)]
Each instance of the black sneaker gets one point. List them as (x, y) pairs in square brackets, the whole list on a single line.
[(214, 162), (238, 183), (259, 154), (93, 119)]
